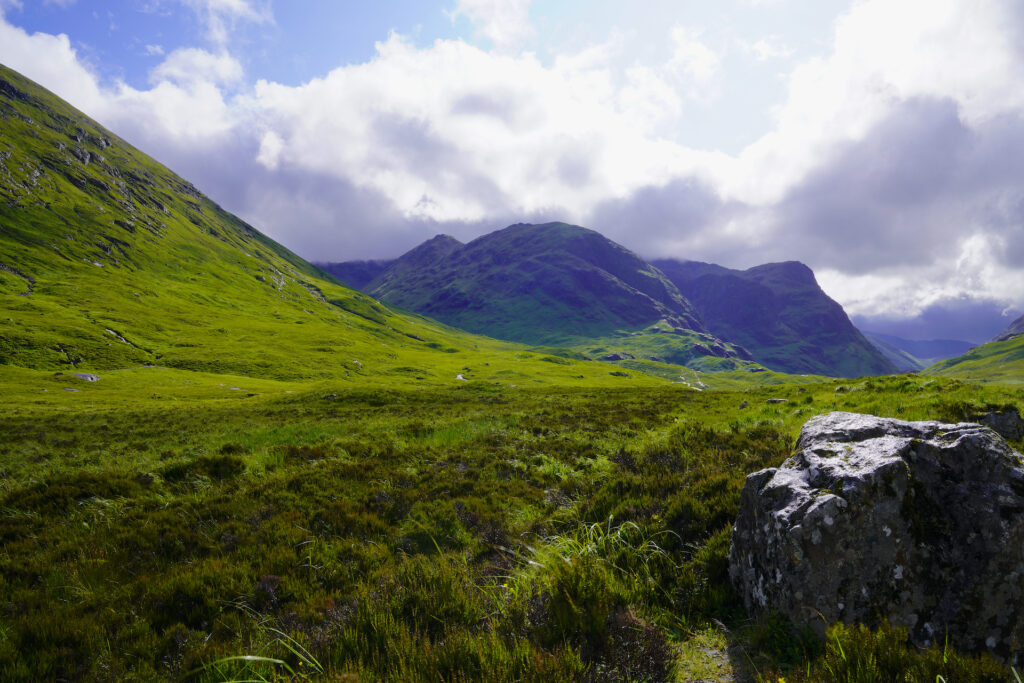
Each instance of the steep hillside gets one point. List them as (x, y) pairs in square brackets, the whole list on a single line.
[(778, 312), (924, 352), (553, 284), (1015, 328), (109, 260), (903, 360), (997, 361)]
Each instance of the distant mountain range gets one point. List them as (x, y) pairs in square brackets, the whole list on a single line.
[(553, 284), (910, 355), (564, 285)]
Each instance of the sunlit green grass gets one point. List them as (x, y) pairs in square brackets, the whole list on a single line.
[(393, 534)]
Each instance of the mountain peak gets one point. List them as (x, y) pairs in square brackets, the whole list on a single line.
[(1015, 328), (779, 313), (535, 283)]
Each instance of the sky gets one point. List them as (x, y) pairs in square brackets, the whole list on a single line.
[(881, 142)]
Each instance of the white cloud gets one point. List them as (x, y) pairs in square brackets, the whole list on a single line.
[(220, 17), (694, 60), (194, 65), (881, 154), (156, 50), (769, 47), (886, 51), (51, 61), (506, 23)]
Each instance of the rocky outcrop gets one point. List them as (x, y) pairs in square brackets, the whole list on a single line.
[(1015, 329), (1007, 423), (920, 523)]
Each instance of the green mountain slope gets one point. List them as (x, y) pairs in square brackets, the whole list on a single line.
[(109, 260), (996, 361), (552, 284), (778, 312)]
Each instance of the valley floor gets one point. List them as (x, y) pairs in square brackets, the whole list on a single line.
[(162, 524)]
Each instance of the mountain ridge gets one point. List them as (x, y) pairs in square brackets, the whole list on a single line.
[(554, 272), (778, 312)]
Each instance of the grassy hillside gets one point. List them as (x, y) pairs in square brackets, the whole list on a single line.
[(109, 260), (1000, 361), (778, 312)]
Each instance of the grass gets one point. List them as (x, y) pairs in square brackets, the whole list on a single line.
[(996, 362), (278, 478), (398, 534)]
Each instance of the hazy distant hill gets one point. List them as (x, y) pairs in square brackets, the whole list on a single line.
[(356, 274), (921, 353), (778, 312), (1015, 328)]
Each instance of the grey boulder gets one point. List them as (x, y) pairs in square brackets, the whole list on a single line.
[(919, 523), (1007, 423)]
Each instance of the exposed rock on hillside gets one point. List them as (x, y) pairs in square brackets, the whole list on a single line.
[(1015, 328), (921, 523)]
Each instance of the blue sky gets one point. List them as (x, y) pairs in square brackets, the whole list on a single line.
[(879, 141)]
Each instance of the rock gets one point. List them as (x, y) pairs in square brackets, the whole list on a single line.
[(745, 404), (1006, 424), (777, 400), (613, 356), (920, 523), (88, 377)]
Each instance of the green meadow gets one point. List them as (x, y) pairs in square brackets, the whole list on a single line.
[(163, 524)]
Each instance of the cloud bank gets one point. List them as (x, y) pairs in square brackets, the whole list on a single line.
[(894, 166)]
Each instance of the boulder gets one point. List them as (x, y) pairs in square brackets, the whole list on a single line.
[(87, 376), (1007, 424), (919, 523)]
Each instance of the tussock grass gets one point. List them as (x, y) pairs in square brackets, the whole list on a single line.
[(480, 534)]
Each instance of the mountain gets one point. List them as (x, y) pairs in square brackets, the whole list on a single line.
[(553, 283), (921, 352), (778, 312), (1015, 328), (109, 260), (903, 360), (355, 274)]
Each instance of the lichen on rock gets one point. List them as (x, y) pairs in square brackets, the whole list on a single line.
[(919, 523)]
